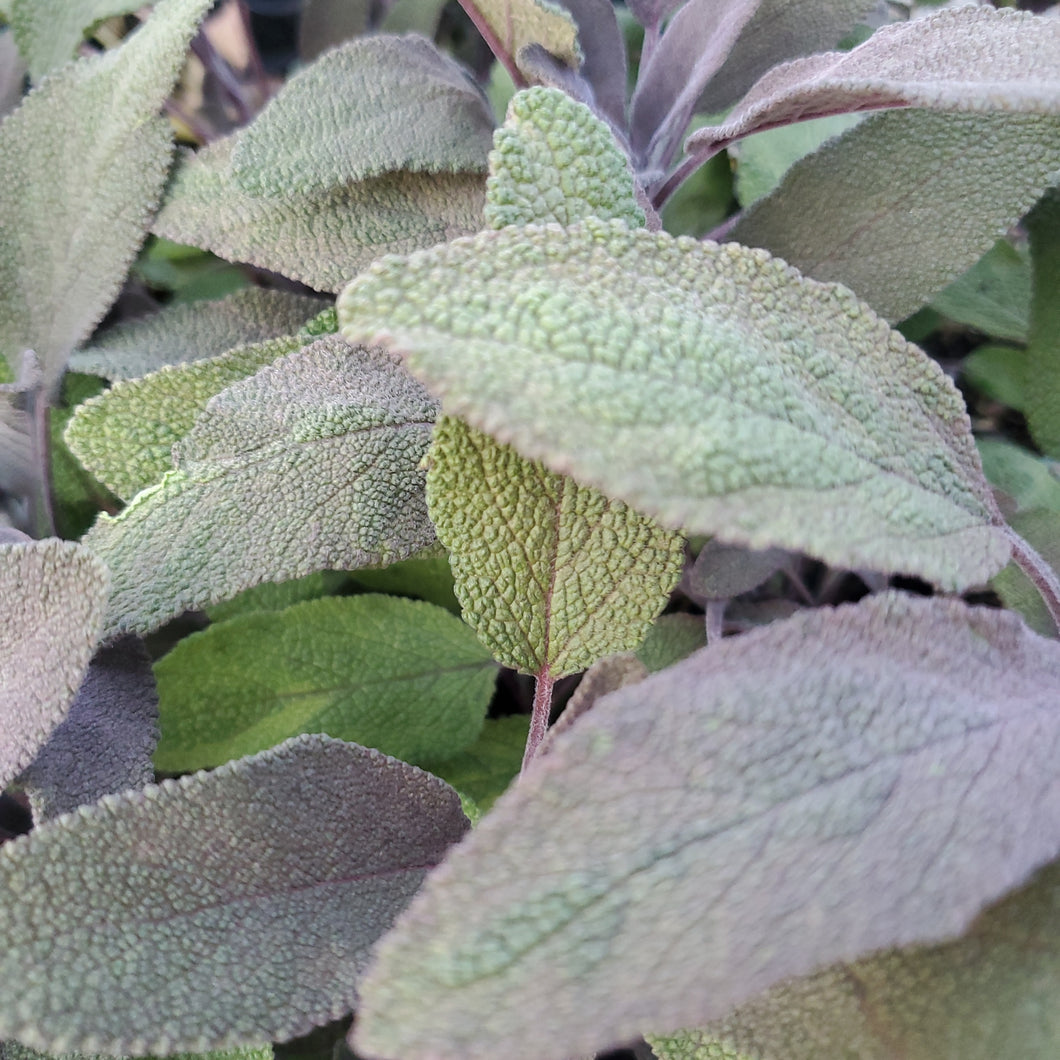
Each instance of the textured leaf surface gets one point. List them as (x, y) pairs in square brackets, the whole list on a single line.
[(989, 994), (967, 59), (125, 436), (712, 387), (103, 746), (722, 571), (82, 164), (311, 464), (795, 796), (1043, 347), (954, 180), (54, 594), (16, 1051), (551, 575), (515, 24), (403, 676), (225, 908), (321, 239), (603, 49), (371, 106), (48, 32), (192, 331)]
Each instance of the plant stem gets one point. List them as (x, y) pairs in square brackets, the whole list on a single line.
[(1040, 573), (715, 620), (540, 713), (499, 50)]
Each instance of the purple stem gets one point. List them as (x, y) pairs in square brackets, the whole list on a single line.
[(499, 50), (540, 714)]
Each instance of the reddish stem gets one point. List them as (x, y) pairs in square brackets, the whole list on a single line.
[(540, 714), (1040, 573), (499, 50)]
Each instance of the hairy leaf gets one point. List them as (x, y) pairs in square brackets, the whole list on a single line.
[(82, 164), (804, 794), (311, 464), (604, 55), (103, 746), (514, 24), (225, 908), (722, 571), (193, 331), (125, 436), (952, 180), (16, 1051), (18, 447), (49, 32), (54, 595), (402, 676), (372, 106), (1043, 346), (967, 59), (712, 387)]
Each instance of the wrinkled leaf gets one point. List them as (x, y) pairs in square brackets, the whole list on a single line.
[(82, 164), (104, 744), (1043, 346), (803, 794), (513, 24), (193, 331), (54, 595), (901, 205), (402, 676), (311, 464), (125, 436), (711, 387), (968, 59), (225, 908)]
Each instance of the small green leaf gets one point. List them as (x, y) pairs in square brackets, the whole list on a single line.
[(225, 908), (1043, 345), (721, 571), (54, 595), (402, 676), (999, 372), (312, 464), (427, 578), (275, 596), (671, 639), (1040, 528), (1026, 478), (712, 387)]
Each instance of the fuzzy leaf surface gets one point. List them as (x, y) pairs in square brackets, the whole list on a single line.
[(966, 59), (16, 1051), (193, 331), (104, 744), (603, 49), (711, 387), (55, 595), (226, 908), (956, 180), (371, 106), (518, 23), (125, 436), (312, 464), (82, 165), (1043, 346), (792, 797), (403, 676)]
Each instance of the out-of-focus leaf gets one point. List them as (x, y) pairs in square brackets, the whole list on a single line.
[(671, 639), (189, 273), (1040, 528), (193, 331), (54, 595), (901, 205), (18, 452), (991, 993), (411, 16), (275, 596), (927, 62), (12, 73), (312, 464), (225, 908), (372, 106), (427, 578), (703, 201), (324, 23), (125, 436), (516, 23), (604, 55), (82, 165), (711, 387), (722, 571), (1026, 478), (49, 32), (400, 675), (999, 372), (1043, 345), (104, 744), (994, 295), (17, 1051), (803, 794)]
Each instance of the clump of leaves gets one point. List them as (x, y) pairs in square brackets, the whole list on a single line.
[(791, 804)]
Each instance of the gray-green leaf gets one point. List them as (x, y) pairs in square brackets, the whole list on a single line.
[(226, 908), (712, 387), (311, 464), (1043, 346), (845, 781)]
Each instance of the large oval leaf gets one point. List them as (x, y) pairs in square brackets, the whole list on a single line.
[(711, 386), (845, 781)]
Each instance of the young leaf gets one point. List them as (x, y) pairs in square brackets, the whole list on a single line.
[(954, 180), (603, 51), (193, 331), (1043, 346), (104, 744), (313, 463), (402, 676), (804, 794), (225, 908), (922, 63), (511, 25), (125, 436), (82, 164), (712, 387), (54, 594)]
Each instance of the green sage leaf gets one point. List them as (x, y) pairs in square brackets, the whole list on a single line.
[(515, 24), (711, 387), (225, 908), (1043, 345)]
